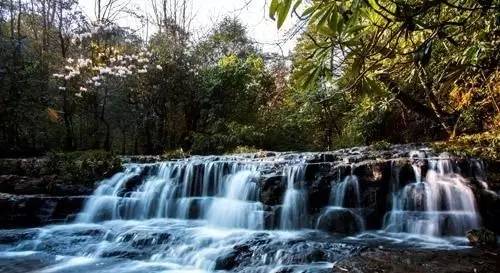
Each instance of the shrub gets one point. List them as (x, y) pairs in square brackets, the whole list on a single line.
[(83, 166)]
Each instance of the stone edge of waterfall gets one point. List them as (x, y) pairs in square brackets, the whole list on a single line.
[(368, 163)]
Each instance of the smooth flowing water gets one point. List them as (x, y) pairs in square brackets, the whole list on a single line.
[(442, 204), (294, 210), (207, 214)]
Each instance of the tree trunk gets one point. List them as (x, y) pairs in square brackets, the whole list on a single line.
[(414, 105)]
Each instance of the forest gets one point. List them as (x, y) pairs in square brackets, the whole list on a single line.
[(362, 72), (249, 136)]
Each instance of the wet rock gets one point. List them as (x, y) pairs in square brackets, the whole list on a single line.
[(272, 190), (147, 240), (14, 236), (482, 238), (233, 258), (227, 261), (316, 255), (319, 193), (338, 220), (47, 184), (418, 260), (125, 253), (372, 172), (36, 210), (489, 207)]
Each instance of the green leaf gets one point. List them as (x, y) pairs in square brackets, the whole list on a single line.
[(273, 8), (296, 5), (283, 11), (309, 10), (332, 22)]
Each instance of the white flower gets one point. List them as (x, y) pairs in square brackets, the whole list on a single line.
[(69, 60), (105, 70), (159, 67), (97, 84), (96, 78), (62, 88), (58, 76), (142, 71), (78, 95), (83, 89)]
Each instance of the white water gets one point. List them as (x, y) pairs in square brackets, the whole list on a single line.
[(197, 215), (294, 210), (346, 193), (442, 204)]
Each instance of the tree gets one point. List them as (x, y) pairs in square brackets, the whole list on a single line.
[(420, 51)]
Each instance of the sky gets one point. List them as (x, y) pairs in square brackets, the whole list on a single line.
[(252, 13)]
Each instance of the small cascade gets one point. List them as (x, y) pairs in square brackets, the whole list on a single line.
[(479, 172), (294, 210), (346, 193), (418, 158), (239, 207), (344, 208), (224, 193), (442, 204)]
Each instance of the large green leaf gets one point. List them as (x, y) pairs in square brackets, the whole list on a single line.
[(273, 8), (283, 11)]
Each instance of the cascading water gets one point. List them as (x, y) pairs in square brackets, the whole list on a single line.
[(294, 209), (442, 204), (344, 199), (209, 214), (226, 195), (346, 193), (239, 206)]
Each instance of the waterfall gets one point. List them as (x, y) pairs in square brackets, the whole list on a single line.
[(294, 210), (223, 193), (344, 207), (219, 214), (239, 206), (346, 193), (442, 204)]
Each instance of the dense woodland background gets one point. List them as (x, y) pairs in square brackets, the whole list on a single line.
[(362, 72)]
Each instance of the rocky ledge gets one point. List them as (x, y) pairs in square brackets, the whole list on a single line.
[(379, 259), (37, 210), (39, 188), (40, 191)]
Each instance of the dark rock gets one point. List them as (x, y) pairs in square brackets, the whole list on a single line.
[(489, 208), (36, 210), (371, 172), (319, 193), (343, 221), (227, 261), (272, 190), (482, 238), (127, 254), (316, 255), (419, 260), (47, 184), (14, 236)]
